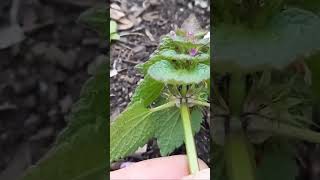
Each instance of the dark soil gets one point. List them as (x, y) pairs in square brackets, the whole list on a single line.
[(135, 46), (41, 77)]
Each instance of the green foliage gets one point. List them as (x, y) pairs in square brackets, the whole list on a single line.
[(80, 150), (238, 47), (266, 63), (147, 91), (96, 18), (113, 31), (133, 128), (165, 72), (169, 130), (177, 72)]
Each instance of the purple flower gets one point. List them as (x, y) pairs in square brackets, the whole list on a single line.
[(193, 52), (189, 34)]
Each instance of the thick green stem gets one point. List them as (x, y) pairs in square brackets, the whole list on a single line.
[(189, 140), (237, 93), (239, 154), (239, 160)]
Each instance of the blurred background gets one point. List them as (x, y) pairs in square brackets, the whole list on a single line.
[(44, 57)]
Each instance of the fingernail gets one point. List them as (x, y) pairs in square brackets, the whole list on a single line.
[(126, 164)]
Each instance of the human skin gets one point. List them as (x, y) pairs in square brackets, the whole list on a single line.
[(172, 167)]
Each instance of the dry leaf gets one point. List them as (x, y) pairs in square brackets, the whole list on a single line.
[(124, 24), (116, 14)]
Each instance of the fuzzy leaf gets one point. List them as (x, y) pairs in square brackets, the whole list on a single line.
[(165, 72), (147, 91), (239, 48), (169, 131), (143, 68), (132, 129), (173, 55), (80, 152)]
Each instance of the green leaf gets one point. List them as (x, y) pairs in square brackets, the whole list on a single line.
[(96, 18), (282, 129), (240, 48), (113, 27), (114, 36), (275, 158), (130, 130), (169, 129), (80, 152), (165, 72), (173, 55), (147, 91), (143, 68)]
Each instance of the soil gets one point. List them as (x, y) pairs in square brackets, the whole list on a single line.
[(151, 20), (40, 75)]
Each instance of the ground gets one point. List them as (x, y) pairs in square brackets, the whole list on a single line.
[(150, 19), (41, 75)]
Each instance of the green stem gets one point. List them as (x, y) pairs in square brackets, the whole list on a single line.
[(239, 160), (189, 140), (239, 153), (164, 106), (237, 93), (184, 90), (200, 103)]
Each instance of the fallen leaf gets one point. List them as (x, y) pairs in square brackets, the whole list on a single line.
[(124, 24), (116, 14)]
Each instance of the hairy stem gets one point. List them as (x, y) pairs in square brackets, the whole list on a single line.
[(200, 103), (164, 106), (189, 140)]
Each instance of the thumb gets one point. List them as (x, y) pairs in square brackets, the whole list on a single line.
[(201, 175)]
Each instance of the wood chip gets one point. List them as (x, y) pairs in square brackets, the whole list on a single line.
[(116, 14), (151, 16), (148, 33), (125, 24), (115, 6)]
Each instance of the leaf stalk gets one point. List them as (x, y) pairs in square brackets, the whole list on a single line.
[(164, 106)]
